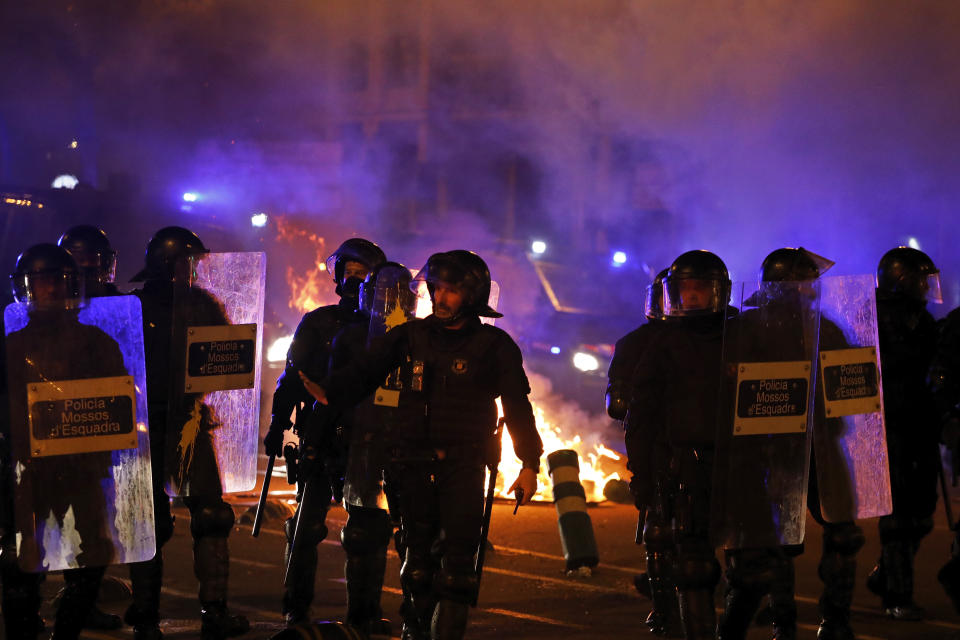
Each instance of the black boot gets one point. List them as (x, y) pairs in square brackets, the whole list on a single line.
[(364, 577), (21, 604), (783, 602), (949, 579), (449, 620), (697, 614), (216, 623), (664, 619), (300, 578), (143, 614), (79, 595), (898, 565), (838, 572), (740, 605)]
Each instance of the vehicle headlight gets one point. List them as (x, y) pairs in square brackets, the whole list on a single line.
[(585, 361)]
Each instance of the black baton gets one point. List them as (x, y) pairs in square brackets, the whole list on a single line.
[(258, 519), (488, 511)]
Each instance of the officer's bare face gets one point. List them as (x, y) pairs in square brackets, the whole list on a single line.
[(696, 294), (447, 300), (355, 270), (46, 290)]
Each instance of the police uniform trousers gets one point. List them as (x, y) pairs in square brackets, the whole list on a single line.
[(441, 513)]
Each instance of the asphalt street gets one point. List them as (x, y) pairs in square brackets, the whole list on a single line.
[(525, 593)]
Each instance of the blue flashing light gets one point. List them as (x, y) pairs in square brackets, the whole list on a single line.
[(191, 196), (538, 247), (619, 258), (258, 219), (555, 350), (913, 243)]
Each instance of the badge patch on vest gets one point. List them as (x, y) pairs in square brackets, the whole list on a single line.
[(459, 366)]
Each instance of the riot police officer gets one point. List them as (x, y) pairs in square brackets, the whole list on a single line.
[(385, 300), (211, 519), (454, 367), (907, 280), (48, 279), (90, 248), (753, 573), (627, 351), (945, 384), (673, 411), (310, 352)]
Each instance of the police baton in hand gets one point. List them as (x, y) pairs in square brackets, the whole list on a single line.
[(494, 465), (258, 519)]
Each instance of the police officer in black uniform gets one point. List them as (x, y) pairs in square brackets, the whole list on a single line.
[(455, 367), (907, 280), (310, 352), (368, 531), (211, 519), (90, 248), (656, 582), (945, 384), (673, 410), (753, 573), (47, 277)]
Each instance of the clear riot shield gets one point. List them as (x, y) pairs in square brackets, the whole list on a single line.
[(214, 408), (766, 410), (393, 304), (849, 436), (79, 457)]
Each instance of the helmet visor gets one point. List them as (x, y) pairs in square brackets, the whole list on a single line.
[(48, 290), (822, 264), (694, 296), (933, 292), (652, 301)]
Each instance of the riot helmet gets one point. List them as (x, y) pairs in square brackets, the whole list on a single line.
[(353, 250), (904, 272), (47, 277), (398, 274), (464, 270), (653, 301), (697, 283), (92, 252), (168, 246), (790, 264)]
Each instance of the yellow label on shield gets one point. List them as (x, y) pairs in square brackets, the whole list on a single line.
[(772, 397), (851, 381), (82, 416)]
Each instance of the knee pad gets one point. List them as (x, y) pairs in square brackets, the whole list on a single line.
[(416, 574), (366, 531), (457, 580), (163, 528), (845, 538), (313, 533), (213, 519), (697, 571), (755, 569), (922, 527), (894, 529), (656, 536)]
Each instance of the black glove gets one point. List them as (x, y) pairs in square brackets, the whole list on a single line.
[(273, 442), (641, 494)]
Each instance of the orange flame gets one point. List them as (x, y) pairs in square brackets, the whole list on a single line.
[(598, 464), (308, 288)]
